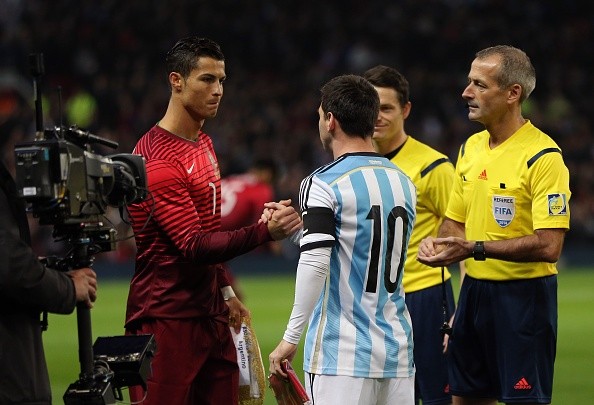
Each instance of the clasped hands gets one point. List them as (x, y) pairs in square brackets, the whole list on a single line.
[(281, 218), (437, 252)]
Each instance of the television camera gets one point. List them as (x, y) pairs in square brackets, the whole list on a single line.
[(65, 183)]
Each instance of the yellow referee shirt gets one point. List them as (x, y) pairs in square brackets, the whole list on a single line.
[(508, 192), (432, 173)]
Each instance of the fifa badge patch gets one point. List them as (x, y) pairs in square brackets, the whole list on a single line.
[(557, 204), (504, 209)]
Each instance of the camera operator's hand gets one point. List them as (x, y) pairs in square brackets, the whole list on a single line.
[(85, 285)]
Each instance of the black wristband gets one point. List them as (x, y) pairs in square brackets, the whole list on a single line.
[(478, 252)]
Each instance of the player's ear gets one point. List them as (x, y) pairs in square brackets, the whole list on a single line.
[(175, 81), (406, 110), (330, 121)]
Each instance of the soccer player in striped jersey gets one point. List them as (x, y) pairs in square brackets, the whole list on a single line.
[(433, 174), (180, 290), (508, 214), (358, 214)]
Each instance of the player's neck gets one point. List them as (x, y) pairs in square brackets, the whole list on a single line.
[(184, 128), (384, 148), (351, 145)]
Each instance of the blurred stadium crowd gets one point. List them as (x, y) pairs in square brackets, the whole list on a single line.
[(104, 71)]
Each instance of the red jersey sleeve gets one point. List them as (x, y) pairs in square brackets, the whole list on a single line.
[(175, 214)]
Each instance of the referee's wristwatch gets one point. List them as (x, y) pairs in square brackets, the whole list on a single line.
[(478, 252)]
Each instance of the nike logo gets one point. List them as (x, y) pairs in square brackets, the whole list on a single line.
[(191, 168)]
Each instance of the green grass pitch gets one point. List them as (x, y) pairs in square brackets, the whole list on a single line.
[(270, 299)]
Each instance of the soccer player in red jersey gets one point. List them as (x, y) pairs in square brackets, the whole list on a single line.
[(180, 291), (243, 195)]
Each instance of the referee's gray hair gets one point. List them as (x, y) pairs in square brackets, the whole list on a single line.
[(516, 68)]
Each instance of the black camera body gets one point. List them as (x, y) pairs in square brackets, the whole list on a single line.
[(66, 184)]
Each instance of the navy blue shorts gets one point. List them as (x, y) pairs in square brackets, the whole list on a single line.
[(426, 311), (504, 341)]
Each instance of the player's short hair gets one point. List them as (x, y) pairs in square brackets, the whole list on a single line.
[(516, 68), (183, 57), (385, 76), (354, 102)]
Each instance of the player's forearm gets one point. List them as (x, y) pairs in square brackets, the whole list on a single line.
[(312, 271), (224, 277), (216, 247)]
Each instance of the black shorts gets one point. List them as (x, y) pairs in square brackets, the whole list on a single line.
[(426, 312), (504, 340)]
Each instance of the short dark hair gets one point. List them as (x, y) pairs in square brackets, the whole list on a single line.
[(354, 102), (385, 76), (183, 57)]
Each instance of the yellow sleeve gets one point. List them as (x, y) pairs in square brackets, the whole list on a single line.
[(439, 187), (456, 210), (549, 181)]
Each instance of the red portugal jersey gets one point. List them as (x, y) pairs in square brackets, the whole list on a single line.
[(179, 245)]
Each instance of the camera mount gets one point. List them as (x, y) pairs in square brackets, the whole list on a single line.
[(67, 185)]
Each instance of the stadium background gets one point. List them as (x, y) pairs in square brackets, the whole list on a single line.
[(107, 59)]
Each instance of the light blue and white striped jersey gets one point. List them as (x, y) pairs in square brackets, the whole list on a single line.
[(362, 206)]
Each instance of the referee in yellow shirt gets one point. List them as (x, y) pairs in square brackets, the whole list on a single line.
[(433, 174), (507, 214)]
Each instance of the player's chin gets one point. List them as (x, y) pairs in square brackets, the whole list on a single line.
[(212, 109), (378, 134)]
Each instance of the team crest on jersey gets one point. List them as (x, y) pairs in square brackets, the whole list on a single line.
[(504, 209), (557, 204), (215, 165)]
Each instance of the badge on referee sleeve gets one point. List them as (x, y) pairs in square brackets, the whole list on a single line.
[(252, 380)]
